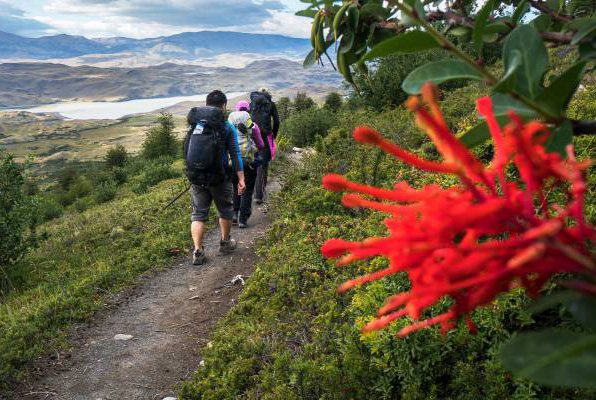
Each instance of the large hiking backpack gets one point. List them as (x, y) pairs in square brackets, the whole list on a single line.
[(203, 146), (260, 110), (243, 123)]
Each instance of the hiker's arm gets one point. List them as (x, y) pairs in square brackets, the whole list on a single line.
[(275, 116), (256, 135)]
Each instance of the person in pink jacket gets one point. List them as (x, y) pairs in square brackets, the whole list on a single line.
[(250, 143)]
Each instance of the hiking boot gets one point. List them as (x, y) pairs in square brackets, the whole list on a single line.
[(235, 219), (259, 201), (198, 257), (242, 224), (227, 246)]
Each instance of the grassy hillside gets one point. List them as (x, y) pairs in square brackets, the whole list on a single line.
[(293, 337), (86, 257)]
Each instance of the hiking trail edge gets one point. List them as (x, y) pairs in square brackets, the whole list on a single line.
[(170, 316)]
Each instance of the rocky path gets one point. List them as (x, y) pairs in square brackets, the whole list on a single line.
[(149, 339)]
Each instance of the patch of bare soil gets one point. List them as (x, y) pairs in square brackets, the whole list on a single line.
[(169, 315)]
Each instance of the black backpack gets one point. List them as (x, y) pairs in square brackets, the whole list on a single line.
[(203, 146), (260, 110)]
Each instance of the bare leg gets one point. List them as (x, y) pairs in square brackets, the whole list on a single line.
[(197, 229), (225, 225)]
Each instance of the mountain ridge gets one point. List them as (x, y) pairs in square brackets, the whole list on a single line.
[(189, 45)]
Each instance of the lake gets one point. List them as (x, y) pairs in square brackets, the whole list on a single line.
[(113, 110)]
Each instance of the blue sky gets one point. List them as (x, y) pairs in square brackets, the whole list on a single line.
[(150, 18)]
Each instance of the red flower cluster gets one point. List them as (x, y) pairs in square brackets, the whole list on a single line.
[(473, 241)]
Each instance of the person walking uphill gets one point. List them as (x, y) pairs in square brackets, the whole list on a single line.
[(250, 142), (209, 142), (263, 110)]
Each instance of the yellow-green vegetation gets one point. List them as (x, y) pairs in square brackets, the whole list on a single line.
[(86, 256), (291, 336)]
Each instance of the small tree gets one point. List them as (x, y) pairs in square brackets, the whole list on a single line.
[(17, 217), (333, 101), (284, 108), (116, 157), (161, 140), (302, 102)]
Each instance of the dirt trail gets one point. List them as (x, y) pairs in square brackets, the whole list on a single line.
[(170, 316)]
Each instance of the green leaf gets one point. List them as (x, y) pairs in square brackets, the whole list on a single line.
[(310, 59), (541, 22), (560, 138), (480, 26), (559, 93), (550, 300), (553, 358), (584, 31), (507, 82), (374, 10), (497, 27), (520, 11), (459, 31), (418, 7), (527, 41), (583, 309), (307, 13), (503, 103), (408, 42), (480, 133), (439, 72), (347, 41), (353, 17)]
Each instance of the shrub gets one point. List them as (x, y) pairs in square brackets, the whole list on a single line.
[(116, 157), (48, 208), (154, 173), (30, 187), (303, 128), (333, 101), (284, 108), (160, 140), (119, 175), (105, 192), (302, 102), (83, 204), (67, 175), (17, 211)]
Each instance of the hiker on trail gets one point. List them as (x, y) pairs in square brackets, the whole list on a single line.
[(250, 143), (209, 142), (263, 110)]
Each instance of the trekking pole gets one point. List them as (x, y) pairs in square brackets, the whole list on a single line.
[(175, 199)]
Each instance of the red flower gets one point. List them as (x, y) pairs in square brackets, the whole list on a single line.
[(476, 240)]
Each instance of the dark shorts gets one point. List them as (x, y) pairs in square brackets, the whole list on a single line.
[(201, 197)]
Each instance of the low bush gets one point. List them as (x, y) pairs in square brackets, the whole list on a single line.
[(153, 173), (304, 127), (83, 204), (116, 157), (48, 208), (17, 213), (105, 192)]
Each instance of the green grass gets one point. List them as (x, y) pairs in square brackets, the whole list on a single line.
[(84, 259)]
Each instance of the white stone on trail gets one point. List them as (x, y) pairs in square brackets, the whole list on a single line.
[(123, 337), (169, 398), (297, 150), (236, 279)]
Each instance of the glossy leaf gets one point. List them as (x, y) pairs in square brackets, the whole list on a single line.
[(374, 10), (353, 17), (550, 300), (508, 80), (553, 358), (541, 22), (347, 41), (526, 40), (480, 25), (559, 93), (310, 59), (408, 42), (560, 138), (306, 13), (439, 72), (583, 309), (503, 103), (586, 30), (480, 133), (520, 11)]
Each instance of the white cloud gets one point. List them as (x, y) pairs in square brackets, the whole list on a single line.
[(284, 23)]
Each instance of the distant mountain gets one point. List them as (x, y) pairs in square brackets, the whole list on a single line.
[(30, 84), (184, 46)]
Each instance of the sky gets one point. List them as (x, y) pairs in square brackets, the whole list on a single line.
[(150, 18)]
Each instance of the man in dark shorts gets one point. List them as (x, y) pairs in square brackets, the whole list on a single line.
[(220, 193)]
